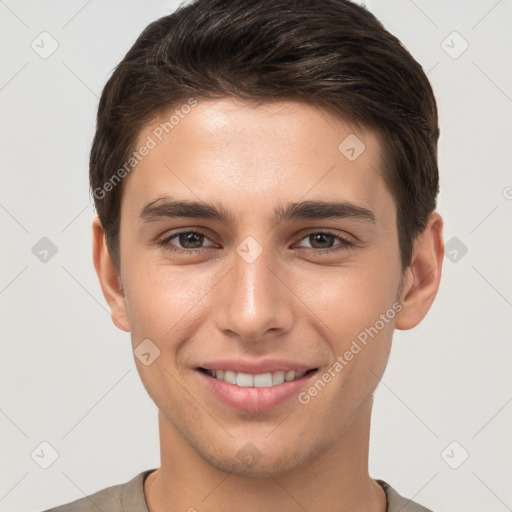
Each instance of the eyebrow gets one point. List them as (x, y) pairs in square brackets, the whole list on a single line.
[(305, 210)]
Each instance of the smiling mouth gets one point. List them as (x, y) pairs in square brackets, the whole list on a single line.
[(261, 380)]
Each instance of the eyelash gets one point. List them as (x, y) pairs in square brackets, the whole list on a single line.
[(344, 244)]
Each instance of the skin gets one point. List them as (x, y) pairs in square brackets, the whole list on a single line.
[(288, 303)]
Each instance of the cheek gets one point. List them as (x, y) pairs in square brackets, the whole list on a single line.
[(352, 298), (160, 298)]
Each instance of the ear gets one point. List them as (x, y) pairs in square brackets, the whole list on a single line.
[(421, 279), (110, 280)]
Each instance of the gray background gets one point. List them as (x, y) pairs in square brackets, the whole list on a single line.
[(67, 374)]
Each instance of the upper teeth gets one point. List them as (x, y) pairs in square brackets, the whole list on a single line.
[(261, 380)]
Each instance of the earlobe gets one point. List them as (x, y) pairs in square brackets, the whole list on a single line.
[(109, 277), (421, 280)]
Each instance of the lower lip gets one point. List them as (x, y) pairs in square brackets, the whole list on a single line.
[(253, 399)]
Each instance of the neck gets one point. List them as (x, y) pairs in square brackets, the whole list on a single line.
[(336, 480)]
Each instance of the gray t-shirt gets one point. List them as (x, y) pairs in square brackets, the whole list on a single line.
[(129, 497)]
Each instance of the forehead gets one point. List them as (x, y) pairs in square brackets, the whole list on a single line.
[(252, 157)]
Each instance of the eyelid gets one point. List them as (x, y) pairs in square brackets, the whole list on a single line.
[(345, 241), (165, 240)]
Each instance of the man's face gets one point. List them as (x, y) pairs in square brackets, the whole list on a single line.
[(256, 293)]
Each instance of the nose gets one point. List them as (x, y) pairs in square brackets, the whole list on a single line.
[(254, 301)]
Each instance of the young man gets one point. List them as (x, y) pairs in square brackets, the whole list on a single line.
[(265, 177)]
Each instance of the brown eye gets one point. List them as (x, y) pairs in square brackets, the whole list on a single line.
[(187, 241), (324, 242), (190, 240), (321, 240)]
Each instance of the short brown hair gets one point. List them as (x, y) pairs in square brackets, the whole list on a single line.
[(332, 53)]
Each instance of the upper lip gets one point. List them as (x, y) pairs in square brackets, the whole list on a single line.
[(256, 366)]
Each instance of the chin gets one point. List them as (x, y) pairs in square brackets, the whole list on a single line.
[(251, 462)]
